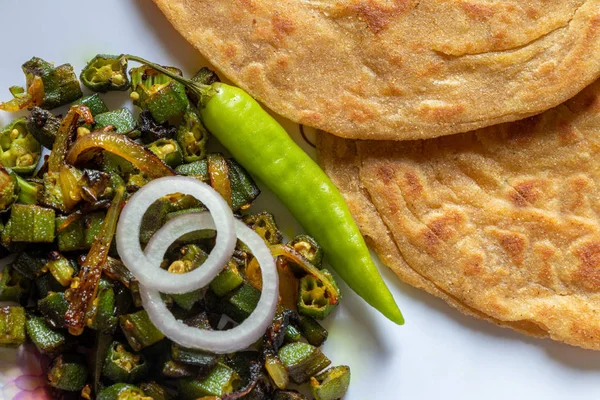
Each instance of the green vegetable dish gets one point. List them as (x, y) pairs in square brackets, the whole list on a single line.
[(140, 268)]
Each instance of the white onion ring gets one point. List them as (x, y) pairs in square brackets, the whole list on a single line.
[(147, 269), (220, 342)]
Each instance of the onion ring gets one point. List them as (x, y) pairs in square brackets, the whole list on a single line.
[(220, 342), (147, 269)]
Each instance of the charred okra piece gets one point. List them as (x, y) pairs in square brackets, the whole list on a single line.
[(9, 189), (155, 391), (60, 268), (78, 234), (12, 326), (176, 370), (192, 136), (314, 333), (121, 365), (162, 96), (313, 299), (221, 380), (19, 150), (45, 339), (102, 316), (288, 395), (229, 279), (243, 188), (54, 307), (68, 372), (331, 384), (139, 330), (264, 224), (122, 120), (197, 358), (95, 103), (152, 131), (43, 126), (13, 285), (309, 248), (30, 264), (122, 391), (302, 361), (168, 151), (32, 224), (106, 73)]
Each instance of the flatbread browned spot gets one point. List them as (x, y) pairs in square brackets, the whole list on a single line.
[(398, 69), (503, 223)]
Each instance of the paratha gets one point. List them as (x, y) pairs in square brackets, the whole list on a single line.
[(503, 222), (398, 69)]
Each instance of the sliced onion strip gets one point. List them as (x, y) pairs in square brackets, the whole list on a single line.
[(220, 342)]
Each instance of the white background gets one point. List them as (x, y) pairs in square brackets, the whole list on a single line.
[(438, 354)]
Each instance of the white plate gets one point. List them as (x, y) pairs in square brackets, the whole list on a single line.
[(438, 354)]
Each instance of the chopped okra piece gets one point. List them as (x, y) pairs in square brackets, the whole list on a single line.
[(192, 136), (292, 334), (122, 120), (68, 372), (32, 224), (176, 370), (54, 307), (198, 358), (277, 371), (241, 303), (106, 73), (28, 191), (314, 333), (94, 103), (78, 234), (191, 258), (122, 365), (264, 224), (102, 316), (155, 391), (152, 131), (19, 150), (45, 339), (139, 330), (302, 361), (168, 151), (309, 248), (221, 380), (161, 95), (313, 298), (43, 126), (60, 268), (31, 264), (12, 326), (197, 169), (122, 391), (331, 384), (243, 188), (46, 284), (9, 189), (153, 219), (13, 285), (229, 279), (288, 395)]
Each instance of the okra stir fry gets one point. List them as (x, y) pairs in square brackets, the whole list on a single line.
[(68, 219)]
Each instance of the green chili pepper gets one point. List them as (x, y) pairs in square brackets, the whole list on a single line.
[(122, 120), (122, 391), (13, 285), (246, 130), (302, 361), (219, 381), (313, 300), (9, 189), (163, 96), (139, 330), (331, 384), (45, 339), (168, 151), (121, 365), (95, 103), (192, 136), (53, 307), (288, 395), (32, 224), (43, 126), (19, 150), (106, 73), (12, 326), (229, 279)]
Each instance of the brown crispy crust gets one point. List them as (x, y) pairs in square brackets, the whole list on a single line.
[(502, 223), (402, 69)]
